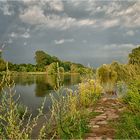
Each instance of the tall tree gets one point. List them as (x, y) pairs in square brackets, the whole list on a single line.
[(134, 56), (42, 58)]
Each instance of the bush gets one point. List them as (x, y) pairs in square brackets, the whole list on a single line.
[(128, 127), (69, 113), (89, 92)]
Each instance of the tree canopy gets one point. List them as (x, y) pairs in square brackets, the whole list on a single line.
[(134, 56), (43, 59)]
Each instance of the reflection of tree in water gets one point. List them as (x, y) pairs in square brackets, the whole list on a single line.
[(24, 79), (42, 86), (75, 78), (71, 79), (46, 83)]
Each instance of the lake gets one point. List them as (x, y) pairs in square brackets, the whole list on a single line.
[(33, 88)]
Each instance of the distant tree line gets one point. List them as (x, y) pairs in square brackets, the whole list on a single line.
[(48, 63), (106, 73)]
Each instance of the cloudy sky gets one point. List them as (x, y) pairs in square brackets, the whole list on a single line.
[(83, 31)]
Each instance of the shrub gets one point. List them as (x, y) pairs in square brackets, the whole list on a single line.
[(89, 92), (128, 127)]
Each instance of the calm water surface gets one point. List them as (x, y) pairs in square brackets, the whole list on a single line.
[(33, 88)]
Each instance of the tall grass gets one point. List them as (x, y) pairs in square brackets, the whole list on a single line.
[(128, 127), (14, 124), (69, 112)]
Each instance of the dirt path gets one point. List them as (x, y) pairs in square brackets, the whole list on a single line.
[(109, 110)]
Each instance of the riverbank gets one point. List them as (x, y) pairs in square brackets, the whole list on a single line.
[(34, 73)]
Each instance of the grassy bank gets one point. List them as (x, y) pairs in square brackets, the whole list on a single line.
[(34, 73), (128, 126)]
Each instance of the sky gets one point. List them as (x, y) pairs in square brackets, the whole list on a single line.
[(84, 31)]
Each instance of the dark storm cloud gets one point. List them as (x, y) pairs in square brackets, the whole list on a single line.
[(86, 31)]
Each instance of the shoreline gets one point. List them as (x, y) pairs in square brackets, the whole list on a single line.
[(35, 73)]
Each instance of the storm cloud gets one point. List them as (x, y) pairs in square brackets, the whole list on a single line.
[(83, 31)]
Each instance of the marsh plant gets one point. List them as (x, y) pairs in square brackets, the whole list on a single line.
[(69, 111), (68, 118), (14, 123), (89, 92), (128, 126)]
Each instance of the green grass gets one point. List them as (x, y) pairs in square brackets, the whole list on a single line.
[(128, 126)]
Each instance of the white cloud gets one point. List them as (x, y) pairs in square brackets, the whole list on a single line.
[(14, 35), (129, 15), (41, 12), (33, 15), (115, 11), (86, 22), (56, 5), (21, 35), (61, 41), (6, 8), (25, 35), (110, 23)]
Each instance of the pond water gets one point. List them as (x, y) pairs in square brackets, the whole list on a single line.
[(33, 88)]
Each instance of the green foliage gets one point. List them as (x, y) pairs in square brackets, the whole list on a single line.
[(14, 121), (21, 111), (2, 65), (74, 68), (43, 59), (121, 70), (61, 70), (65, 65), (52, 68), (128, 126), (89, 92), (70, 120), (134, 56), (107, 77), (106, 74), (77, 68), (69, 113)]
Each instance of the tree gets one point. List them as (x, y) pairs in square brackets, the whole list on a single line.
[(61, 70), (52, 68), (107, 77), (2, 65), (65, 65), (122, 72), (42, 58), (134, 56)]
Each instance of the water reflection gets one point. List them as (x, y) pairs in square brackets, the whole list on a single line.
[(45, 83), (33, 88)]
